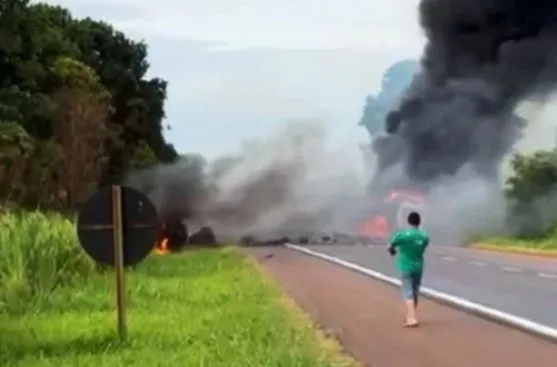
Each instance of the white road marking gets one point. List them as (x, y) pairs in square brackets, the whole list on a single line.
[(547, 275), (448, 258), (458, 302), (511, 269), (477, 263)]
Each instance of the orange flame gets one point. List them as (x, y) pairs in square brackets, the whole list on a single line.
[(377, 226), (162, 247)]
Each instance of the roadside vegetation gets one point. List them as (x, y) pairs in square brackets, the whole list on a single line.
[(198, 308), (531, 192), (543, 246), (38, 254)]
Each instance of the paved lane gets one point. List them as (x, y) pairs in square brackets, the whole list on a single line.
[(366, 317), (525, 288), (526, 263)]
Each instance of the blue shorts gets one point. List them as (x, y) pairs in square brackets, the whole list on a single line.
[(411, 283)]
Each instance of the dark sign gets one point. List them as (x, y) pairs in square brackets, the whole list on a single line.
[(95, 226)]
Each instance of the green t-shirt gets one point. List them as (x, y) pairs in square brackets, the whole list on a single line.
[(410, 244)]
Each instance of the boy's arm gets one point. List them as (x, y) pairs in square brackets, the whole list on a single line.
[(426, 242), (393, 243)]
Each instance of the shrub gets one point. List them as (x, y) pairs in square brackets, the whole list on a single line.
[(38, 253), (531, 190)]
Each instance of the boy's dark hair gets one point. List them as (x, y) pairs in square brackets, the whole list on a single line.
[(414, 219)]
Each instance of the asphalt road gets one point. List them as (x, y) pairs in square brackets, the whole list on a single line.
[(521, 286), (366, 318)]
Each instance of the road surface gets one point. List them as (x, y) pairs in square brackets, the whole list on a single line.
[(366, 316), (521, 286)]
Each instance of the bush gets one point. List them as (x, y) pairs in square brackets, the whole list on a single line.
[(38, 253), (531, 190)]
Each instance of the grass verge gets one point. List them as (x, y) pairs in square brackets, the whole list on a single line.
[(541, 247), (38, 254), (201, 308)]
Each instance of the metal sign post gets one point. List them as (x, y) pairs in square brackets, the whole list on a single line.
[(119, 261), (118, 226)]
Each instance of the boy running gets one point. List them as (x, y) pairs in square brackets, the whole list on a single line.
[(409, 246)]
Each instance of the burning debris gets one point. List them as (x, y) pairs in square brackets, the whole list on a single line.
[(249, 240), (161, 247), (334, 238), (205, 236), (174, 238), (389, 213)]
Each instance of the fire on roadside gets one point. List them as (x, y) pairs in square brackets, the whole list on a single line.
[(161, 247)]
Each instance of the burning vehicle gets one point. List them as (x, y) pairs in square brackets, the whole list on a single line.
[(174, 237), (389, 213)]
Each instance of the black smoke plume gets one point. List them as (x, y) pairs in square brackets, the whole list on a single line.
[(481, 59)]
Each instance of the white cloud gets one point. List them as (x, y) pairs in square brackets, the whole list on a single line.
[(301, 24), (235, 67)]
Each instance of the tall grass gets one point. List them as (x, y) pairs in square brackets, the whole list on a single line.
[(204, 308), (209, 308), (38, 253)]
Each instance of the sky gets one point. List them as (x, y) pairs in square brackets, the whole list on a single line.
[(237, 68)]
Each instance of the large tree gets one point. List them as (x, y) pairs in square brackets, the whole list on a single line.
[(138, 103), (39, 42)]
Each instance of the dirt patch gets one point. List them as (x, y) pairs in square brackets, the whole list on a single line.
[(366, 316)]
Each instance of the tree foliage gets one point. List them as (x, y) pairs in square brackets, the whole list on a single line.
[(81, 109), (74, 96), (532, 193), (395, 80)]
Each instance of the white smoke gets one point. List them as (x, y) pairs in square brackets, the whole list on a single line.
[(297, 179)]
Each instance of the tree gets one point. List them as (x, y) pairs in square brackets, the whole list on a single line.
[(532, 193), (138, 103), (81, 108), (15, 147), (59, 76), (40, 179), (141, 156), (395, 80), (29, 45)]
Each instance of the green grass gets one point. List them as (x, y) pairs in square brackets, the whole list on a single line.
[(200, 308), (546, 245), (38, 253)]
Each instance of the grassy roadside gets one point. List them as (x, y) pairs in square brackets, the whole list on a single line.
[(541, 247), (201, 308)]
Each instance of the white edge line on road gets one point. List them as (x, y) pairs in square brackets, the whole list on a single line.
[(511, 269), (461, 303), (477, 263), (547, 275), (448, 258)]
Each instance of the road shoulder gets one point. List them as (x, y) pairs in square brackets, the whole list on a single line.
[(512, 250), (366, 317)]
